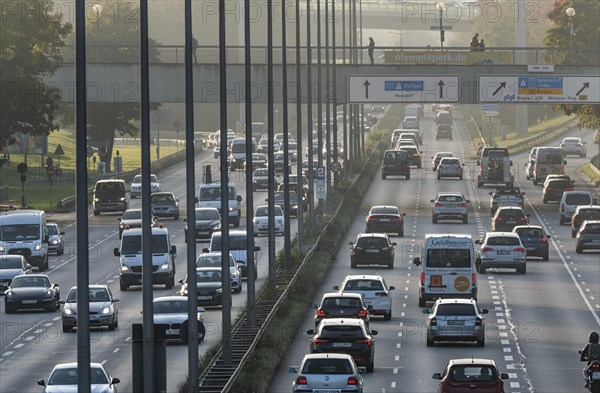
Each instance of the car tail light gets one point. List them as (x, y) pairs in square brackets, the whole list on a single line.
[(569, 189), (535, 168), (352, 381), (595, 366), (437, 204), (362, 313), (397, 219), (365, 341), (487, 249), (524, 219), (384, 166), (473, 278), (519, 249), (498, 219), (422, 278), (562, 170), (301, 380), (478, 322), (433, 322), (462, 205), (321, 313), (573, 220), (544, 239), (319, 341), (549, 189), (371, 219)]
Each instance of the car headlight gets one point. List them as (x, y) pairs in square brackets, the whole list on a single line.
[(295, 206), (10, 294), (54, 241), (122, 199), (220, 290), (255, 221), (280, 221), (37, 247), (68, 311), (49, 293), (96, 199), (217, 226), (165, 266), (185, 292), (235, 274), (232, 209), (125, 268), (105, 310)]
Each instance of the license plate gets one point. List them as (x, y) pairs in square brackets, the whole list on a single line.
[(371, 250), (367, 300), (384, 219), (29, 301), (596, 375), (511, 222), (341, 345), (203, 233), (436, 289), (325, 391), (204, 297), (172, 332), (530, 248), (503, 252), (456, 322)]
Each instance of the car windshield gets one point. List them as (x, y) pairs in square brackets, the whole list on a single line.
[(162, 198), (341, 332), (363, 285), (448, 257), (280, 196), (68, 376), (95, 294), (391, 156), (449, 161), (589, 212), (8, 262), (132, 244), (170, 307), (211, 214), (52, 230), (550, 158), (19, 232), (577, 199), (262, 211), (341, 302), (214, 194), (455, 310), (327, 366), (450, 198), (261, 172), (212, 261), (132, 215), (511, 213), (208, 276), (472, 373), (137, 179), (384, 210), (592, 228), (236, 242), (371, 242), (530, 232), (28, 282), (503, 241), (559, 184)]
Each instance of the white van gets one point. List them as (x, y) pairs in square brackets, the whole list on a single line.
[(24, 232), (569, 202), (130, 258), (448, 268), (548, 161), (238, 241), (210, 196)]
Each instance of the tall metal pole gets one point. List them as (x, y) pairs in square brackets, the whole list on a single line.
[(271, 147), (83, 271), (299, 155), (344, 106), (190, 186), (328, 143), (250, 283), (361, 27), (334, 104), (309, 118), (147, 289), (225, 283), (286, 154), (319, 101)]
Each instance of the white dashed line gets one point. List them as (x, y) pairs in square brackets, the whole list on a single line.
[(116, 350), (393, 385), (21, 345), (397, 358), (7, 353), (29, 338)]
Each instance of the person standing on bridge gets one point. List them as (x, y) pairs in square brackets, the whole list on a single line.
[(194, 48), (475, 43), (371, 49), (481, 45)]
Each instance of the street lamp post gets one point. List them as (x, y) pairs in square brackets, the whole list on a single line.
[(440, 7), (98, 10), (570, 13)]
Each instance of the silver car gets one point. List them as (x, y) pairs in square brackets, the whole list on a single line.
[(502, 250), (172, 311), (374, 290), (450, 167), (11, 266), (455, 320), (450, 206), (213, 259), (63, 378), (573, 146), (102, 306), (135, 189), (56, 241), (327, 372)]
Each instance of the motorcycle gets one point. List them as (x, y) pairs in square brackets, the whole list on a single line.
[(592, 376)]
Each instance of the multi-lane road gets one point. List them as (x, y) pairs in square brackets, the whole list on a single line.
[(537, 321), (32, 343)]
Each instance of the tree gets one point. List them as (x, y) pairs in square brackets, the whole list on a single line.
[(586, 31), (32, 35)]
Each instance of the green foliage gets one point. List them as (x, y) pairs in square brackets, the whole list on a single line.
[(586, 36), (31, 37)]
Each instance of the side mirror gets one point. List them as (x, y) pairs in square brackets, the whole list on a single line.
[(416, 261), (478, 241), (266, 199), (184, 220), (391, 288), (437, 376), (336, 287), (61, 301), (362, 370), (511, 163), (238, 198), (196, 200), (350, 243), (431, 200), (532, 162), (256, 248), (528, 215), (374, 332), (116, 252), (28, 267), (394, 243), (369, 307), (426, 311), (522, 193), (62, 233), (55, 285), (490, 193), (181, 280), (403, 214), (115, 381), (293, 369), (310, 331), (504, 376), (478, 162), (468, 201), (200, 309), (565, 162), (173, 250), (115, 299), (484, 311), (41, 382), (46, 239), (205, 249), (548, 236)]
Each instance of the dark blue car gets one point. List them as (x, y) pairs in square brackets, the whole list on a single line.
[(534, 239)]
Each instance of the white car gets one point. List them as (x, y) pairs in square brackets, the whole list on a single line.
[(435, 160), (63, 378), (172, 311), (261, 220), (450, 167), (136, 185), (573, 146), (502, 250), (374, 290)]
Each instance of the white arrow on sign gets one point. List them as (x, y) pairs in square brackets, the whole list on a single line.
[(405, 88)]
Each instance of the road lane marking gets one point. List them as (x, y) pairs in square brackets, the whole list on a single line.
[(21, 345), (7, 353)]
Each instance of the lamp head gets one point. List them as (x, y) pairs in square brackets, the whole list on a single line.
[(570, 12)]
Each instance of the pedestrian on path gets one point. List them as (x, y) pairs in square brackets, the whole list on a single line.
[(371, 49)]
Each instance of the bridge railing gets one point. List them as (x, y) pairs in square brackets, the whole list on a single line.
[(174, 54)]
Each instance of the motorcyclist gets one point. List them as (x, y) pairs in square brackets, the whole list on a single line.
[(593, 339)]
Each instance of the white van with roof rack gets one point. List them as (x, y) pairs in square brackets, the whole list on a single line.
[(448, 268), (24, 232)]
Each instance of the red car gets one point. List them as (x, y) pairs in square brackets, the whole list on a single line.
[(468, 375)]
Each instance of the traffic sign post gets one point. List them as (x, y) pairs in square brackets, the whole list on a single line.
[(539, 89), (490, 110), (320, 188), (405, 88)]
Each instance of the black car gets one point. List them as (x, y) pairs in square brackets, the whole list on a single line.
[(12, 265), (208, 284), (372, 249), (588, 236), (164, 204), (444, 131), (132, 218), (555, 188), (506, 196), (506, 218), (260, 179), (208, 220), (350, 336), (341, 305), (279, 200), (395, 163), (31, 292), (385, 219)]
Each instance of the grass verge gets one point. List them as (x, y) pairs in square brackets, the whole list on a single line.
[(590, 172)]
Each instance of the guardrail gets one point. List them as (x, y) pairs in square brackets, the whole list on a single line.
[(523, 145)]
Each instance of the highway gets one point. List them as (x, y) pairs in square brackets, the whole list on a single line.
[(537, 321), (32, 343)]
